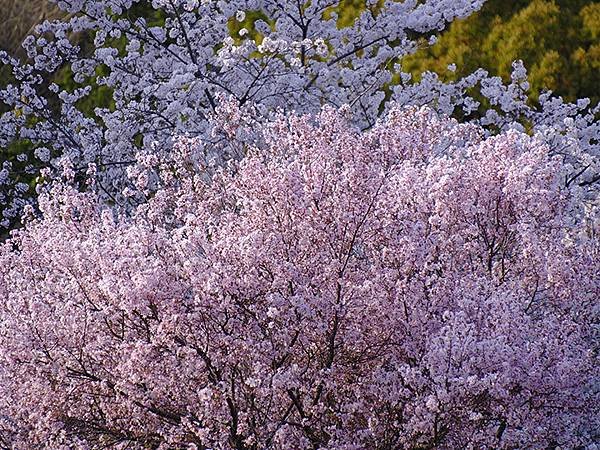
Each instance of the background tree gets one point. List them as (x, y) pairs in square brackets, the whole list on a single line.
[(164, 62), (148, 71), (558, 41)]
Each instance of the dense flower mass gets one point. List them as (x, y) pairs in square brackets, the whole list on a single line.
[(150, 70), (147, 70), (414, 286)]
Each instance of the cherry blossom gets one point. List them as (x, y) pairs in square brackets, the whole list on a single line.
[(415, 285), (166, 69)]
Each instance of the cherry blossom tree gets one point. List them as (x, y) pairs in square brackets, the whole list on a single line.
[(164, 64), (165, 61), (417, 285)]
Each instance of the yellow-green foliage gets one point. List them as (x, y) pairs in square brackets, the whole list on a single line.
[(248, 23), (347, 11), (558, 40)]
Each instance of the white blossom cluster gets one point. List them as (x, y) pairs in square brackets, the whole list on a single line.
[(168, 71)]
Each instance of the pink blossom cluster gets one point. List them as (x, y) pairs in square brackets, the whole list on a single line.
[(414, 286), (163, 65)]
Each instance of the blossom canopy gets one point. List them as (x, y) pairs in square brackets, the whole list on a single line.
[(417, 285)]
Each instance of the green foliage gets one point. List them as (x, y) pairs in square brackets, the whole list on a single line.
[(347, 11), (558, 40), (248, 23)]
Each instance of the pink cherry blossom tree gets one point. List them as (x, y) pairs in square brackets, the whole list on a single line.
[(165, 62), (417, 285)]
